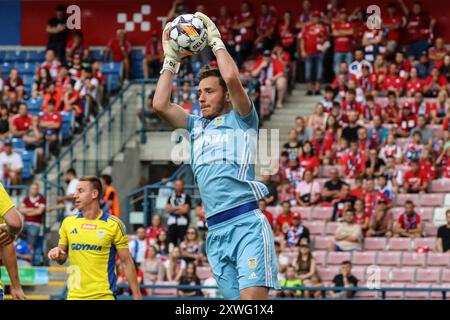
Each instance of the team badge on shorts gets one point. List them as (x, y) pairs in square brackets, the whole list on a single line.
[(252, 262), (101, 233)]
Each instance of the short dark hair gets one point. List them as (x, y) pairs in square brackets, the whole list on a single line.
[(286, 202), (71, 171), (95, 183), (107, 178), (409, 202), (346, 262), (208, 71)]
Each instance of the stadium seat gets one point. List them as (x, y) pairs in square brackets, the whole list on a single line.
[(315, 227), (432, 199), (440, 185), (438, 259), (429, 242), (405, 274), (15, 56), (394, 294), (27, 68), (36, 56), (428, 275), (304, 211), (375, 244), (66, 126), (368, 294), (359, 273), (291, 255), (417, 294), (400, 244), (331, 227), (321, 243), (322, 213), (336, 258), (445, 275), (18, 143), (327, 274), (364, 258), (438, 294), (396, 212), (34, 105), (96, 54), (166, 292), (320, 257), (28, 163), (204, 272), (389, 258), (6, 67), (414, 259), (430, 229), (426, 213), (403, 197)]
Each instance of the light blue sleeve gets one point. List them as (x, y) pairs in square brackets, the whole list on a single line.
[(250, 120), (191, 121)]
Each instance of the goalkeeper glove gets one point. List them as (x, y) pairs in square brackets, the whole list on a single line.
[(214, 39)]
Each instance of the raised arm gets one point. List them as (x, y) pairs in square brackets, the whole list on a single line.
[(228, 68)]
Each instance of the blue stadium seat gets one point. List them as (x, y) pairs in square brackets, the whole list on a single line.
[(66, 126), (28, 159), (137, 54), (27, 67), (96, 54), (112, 82), (36, 56), (18, 143), (112, 67), (136, 70), (2, 55), (196, 110), (34, 105), (196, 66), (6, 68), (15, 56)]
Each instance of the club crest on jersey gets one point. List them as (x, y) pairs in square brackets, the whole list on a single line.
[(220, 121), (89, 226), (101, 233), (252, 262)]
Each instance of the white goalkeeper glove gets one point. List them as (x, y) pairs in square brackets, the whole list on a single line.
[(172, 58), (214, 39)]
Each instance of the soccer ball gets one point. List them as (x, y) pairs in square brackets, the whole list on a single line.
[(187, 34)]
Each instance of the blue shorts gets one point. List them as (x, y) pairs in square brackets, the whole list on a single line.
[(1, 295), (241, 253)]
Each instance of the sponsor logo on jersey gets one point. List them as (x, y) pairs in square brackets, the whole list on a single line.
[(89, 226), (84, 246)]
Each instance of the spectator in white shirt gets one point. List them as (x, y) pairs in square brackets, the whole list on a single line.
[(67, 201), (356, 66), (11, 164), (138, 246)]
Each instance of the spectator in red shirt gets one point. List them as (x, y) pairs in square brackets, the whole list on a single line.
[(342, 30), (50, 122), (287, 33), (349, 103), (403, 64), (443, 163), (391, 110), (415, 180), (120, 49), (409, 223), (153, 57), (225, 25), (33, 208), (406, 122), (244, 27), (21, 122), (418, 29), (370, 110), (311, 150), (427, 165), (392, 24), (14, 83), (393, 81), (414, 83), (270, 69), (437, 53), (284, 220), (263, 207), (434, 83), (313, 44), (77, 45), (439, 109), (354, 161), (420, 107), (152, 231), (72, 102), (265, 27), (372, 197)]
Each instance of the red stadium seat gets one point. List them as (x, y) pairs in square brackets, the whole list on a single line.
[(320, 257), (322, 243), (322, 213), (331, 227), (204, 272), (327, 274), (394, 294), (440, 185), (405, 274), (445, 275), (428, 275), (167, 292), (336, 258), (291, 255), (417, 294), (429, 242), (414, 259), (375, 244), (403, 197), (430, 229), (400, 244), (388, 258), (364, 258), (315, 227), (368, 294), (426, 213), (396, 212), (438, 259), (438, 294), (359, 273), (432, 199)]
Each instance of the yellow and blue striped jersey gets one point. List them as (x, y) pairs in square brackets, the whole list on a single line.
[(5, 204), (92, 248)]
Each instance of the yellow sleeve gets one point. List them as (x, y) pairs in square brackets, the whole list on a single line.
[(120, 239), (63, 240), (5, 201)]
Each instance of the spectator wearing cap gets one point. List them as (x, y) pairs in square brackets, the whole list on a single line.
[(77, 45), (11, 165), (314, 41), (307, 192), (57, 32), (443, 235), (153, 56), (381, 222), (392, 23), (415, 180), (284, 220), (120, 49), (344, 280), (50, 123), (348, 235), (342, 31), (263, 207), (270, 70), (406, 121), (409, 223), (296, 232)]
